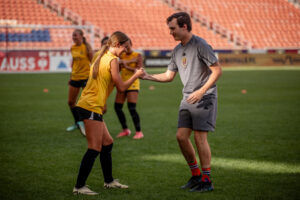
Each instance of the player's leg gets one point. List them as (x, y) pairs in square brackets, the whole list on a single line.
[(204, 153), (204, 120), (205, 159), (132, 98), (94, 136), (72, 97), (185, 144), (106, 161), (119, 102), (105, 156), (187, 150), (203, 148)]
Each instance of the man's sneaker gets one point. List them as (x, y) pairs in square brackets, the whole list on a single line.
[(138, 135), (115, 184), (203, 187), (125, 132), (72, 128), (84, 190), (193, 181), (81, 127)]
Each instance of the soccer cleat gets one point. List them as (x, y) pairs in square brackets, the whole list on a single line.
[(84, 190), (203, 187), (193, 181), (72, 128), (138, 135), (81, 127), (115, 184), (125, 132)]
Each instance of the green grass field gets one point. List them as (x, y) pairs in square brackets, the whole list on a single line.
[(255, 149)]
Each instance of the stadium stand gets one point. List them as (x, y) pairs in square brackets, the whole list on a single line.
[(230, 24), (29, 12), (266, 24), (144, 21)]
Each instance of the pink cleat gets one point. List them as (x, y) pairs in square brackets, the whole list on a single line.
[(125, 132), (138, 135)]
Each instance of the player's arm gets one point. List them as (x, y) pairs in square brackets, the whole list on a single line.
[(167, 76), (214, 76), (71, 70), (123, 64), (89, 52), (71, 64), (115, 73), (138, 60), (130, 61)]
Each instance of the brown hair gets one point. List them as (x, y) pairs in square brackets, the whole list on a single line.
[(82, 35), (117, 38), (104, 40), (182, 18)]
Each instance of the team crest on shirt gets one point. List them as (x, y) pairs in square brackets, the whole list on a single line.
[(184, 61)]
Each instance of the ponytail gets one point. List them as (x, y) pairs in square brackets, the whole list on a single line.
[(97, 62)]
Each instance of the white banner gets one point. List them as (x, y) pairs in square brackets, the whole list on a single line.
[(35, 61)]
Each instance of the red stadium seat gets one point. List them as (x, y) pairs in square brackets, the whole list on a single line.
[(261, 18), (30, 12), (144, 20), (265, 24)]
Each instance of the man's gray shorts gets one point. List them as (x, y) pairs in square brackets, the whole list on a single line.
[(200, 116)]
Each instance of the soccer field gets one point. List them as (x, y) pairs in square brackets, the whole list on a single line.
[(255, 149)]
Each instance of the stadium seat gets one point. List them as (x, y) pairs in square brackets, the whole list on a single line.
[(272, 23), (144, 20), (30, 12), (262, 18)]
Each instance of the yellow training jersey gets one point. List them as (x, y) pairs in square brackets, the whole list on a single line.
[(95, 56), (126, 73), (96, 91), (81, 62)]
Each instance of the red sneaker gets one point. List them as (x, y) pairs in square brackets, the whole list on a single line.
[(125, 132), (138, 135)]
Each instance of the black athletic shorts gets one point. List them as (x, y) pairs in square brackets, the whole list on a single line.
[(79, 83), (86, 114), (127, 91)]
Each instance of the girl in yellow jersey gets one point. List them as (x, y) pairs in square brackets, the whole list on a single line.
[(104, 75), (103, 42), (130, 61), (82, 55)]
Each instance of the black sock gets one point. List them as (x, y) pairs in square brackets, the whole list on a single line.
[(75, 114), (134, 115), (86, 167), (120, 114), (106, 163)]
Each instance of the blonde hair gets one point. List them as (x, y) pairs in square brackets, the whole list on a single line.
[(117, 38)]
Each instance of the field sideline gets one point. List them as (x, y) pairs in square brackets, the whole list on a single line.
[(255, 149)]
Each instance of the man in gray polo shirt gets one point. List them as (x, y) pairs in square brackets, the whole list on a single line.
[(199, 71)]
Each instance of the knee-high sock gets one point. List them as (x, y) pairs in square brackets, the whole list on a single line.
[(86, 167), (106, 163), (134, 115), (75, 114), (120, 114)]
